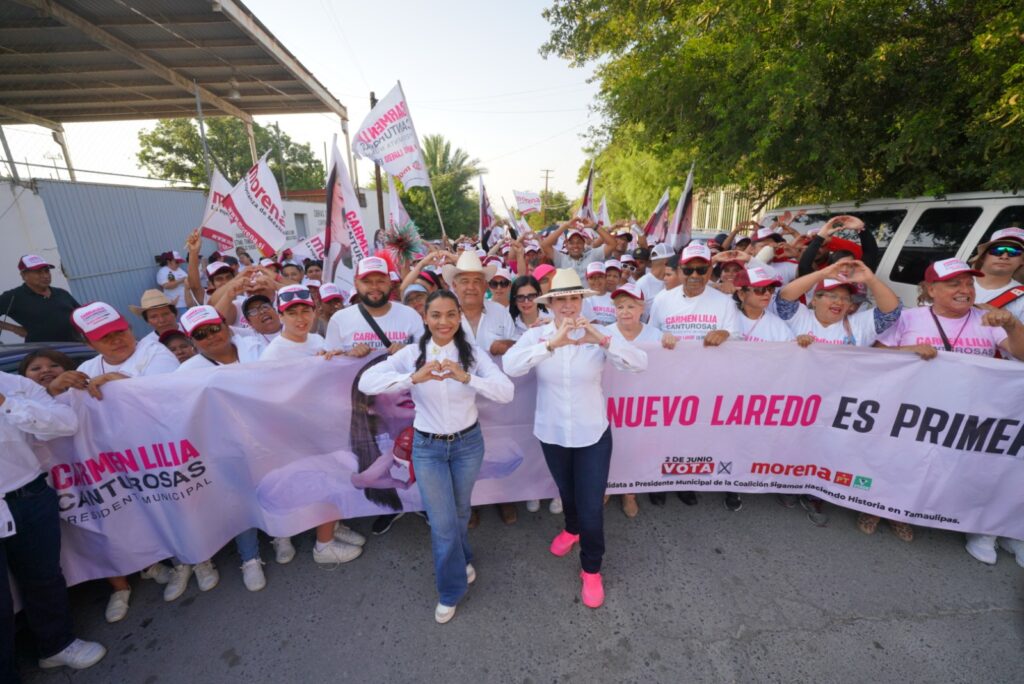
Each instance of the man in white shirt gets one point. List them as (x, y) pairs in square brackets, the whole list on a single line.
[(651, 283), (999, 259), (576, 255), (30, 531), (694, 311), (487, 324)]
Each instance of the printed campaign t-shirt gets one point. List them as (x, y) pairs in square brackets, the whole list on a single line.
[(966, 335), (283, 348), (147, 359), (864, 326), (767, 328), (347, 328), (691, 318), (603, 308), (984, 295), (177, 294)]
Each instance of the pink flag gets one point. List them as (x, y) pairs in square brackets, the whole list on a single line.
[(486, 212), (217, 224), (657, 225), (587, 207)]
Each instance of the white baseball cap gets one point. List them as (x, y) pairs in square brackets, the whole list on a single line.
[(330, 291), (198, 316), (695, 250), (372, 264), (97, 320), (661, 251), (31, 262), (595, 268), (629, 289)]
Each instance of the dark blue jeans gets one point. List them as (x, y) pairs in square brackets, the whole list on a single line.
[(581, 475), (32, 556)]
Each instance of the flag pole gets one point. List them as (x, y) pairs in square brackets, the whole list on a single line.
[(430, 184)]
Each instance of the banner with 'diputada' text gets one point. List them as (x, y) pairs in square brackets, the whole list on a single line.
[(177, 465)]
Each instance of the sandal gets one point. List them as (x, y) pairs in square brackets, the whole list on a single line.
[(867, 523), (902, 530), (629, 505)]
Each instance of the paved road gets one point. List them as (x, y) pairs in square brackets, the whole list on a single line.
[(694, 594)]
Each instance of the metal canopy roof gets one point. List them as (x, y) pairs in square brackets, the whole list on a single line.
[(102, 60)]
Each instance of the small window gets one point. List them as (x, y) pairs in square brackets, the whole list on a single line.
[(937, 235), (1010, 217), (300, 226)]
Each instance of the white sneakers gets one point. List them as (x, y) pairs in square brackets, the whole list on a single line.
[(443, 613), (252, 574), (178, 582), (533, 505), (555, 507), (336, 552), (983, 548), (1014, 546), (206, 575), (117, 606), (470, 573), (158, 572), (78, 655), (284, 552), (348, 535)]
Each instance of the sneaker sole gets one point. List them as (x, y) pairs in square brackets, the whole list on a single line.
[(334, 561), (444, 619)]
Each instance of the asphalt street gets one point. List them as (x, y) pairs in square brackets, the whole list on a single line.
[(693, 594)]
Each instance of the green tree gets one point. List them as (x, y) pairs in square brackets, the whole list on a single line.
[(173, 150), (452, 174), (818, 99)]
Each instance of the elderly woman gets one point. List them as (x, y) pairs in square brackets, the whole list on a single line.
[(571, 419), (445, 373), (952, 323)]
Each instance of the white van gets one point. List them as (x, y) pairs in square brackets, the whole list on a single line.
[(912, 233)]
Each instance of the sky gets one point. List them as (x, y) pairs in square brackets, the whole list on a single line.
[(471, 71)]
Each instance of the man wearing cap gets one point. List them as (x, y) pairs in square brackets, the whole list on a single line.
[(264, 323), (332, 300), (651, 283), (576, 255), (42, 312), (999, 260), (159, 312), (696, 311), (598, 307), (351, 331), (785, 267), (119, 356), (641, 261)]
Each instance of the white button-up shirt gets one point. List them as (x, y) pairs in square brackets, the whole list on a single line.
[(27, 411), (443, 407), (571, 409), (495, 324)]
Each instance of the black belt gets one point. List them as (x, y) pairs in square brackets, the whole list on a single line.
[(31, 489), (449, 438)]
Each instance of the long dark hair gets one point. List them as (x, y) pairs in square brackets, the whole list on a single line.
[(363, 429), (517, 284), (463, 346)]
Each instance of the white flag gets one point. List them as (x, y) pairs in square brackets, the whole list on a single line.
[(397, 215), (345, 239), (586, 210), (603, 219), (527, 202), (255, 208), (217, 224), (388, 137)]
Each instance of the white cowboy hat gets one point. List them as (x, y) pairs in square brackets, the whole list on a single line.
[(469, 262), (566, 282)]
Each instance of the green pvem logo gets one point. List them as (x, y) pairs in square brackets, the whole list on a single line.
[(861, 482)]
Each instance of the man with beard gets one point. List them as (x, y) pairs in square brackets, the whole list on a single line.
[(576, 255), (42, 312)]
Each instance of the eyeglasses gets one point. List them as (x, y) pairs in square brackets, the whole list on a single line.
[(304, 295), (834, 296), (690, 270), (258, 309), (1006, 250), (767, 289), (522, 299), (495, 284), (205, 331)]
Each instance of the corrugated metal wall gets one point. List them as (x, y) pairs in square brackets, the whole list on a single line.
[(108, 235)]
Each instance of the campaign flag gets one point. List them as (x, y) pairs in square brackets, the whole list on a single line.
[(255, 209), (388, 137), (397, 215), (587, 207), (603, 219), (487, 217), (656, 227), (345, 239), (682, 222), (527, 202), (217, 224)]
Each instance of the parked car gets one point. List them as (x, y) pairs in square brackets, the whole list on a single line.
[(912, 233), (12, 354)]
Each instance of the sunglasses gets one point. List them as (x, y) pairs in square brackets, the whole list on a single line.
[(767, 289), (690, 270), (1006, 250), (629, 267), (205, 331), (301, 295), (522, 299), (498, 283)]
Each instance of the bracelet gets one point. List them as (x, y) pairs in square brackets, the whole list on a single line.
[(606, 342)]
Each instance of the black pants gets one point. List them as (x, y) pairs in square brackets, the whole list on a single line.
[(581, 474), (32, 556)]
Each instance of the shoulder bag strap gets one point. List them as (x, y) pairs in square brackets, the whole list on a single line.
[(373, 325)]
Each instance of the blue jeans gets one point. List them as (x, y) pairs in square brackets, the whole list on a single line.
[(248, 544), (581, 475), (445, 473), (32, 555)]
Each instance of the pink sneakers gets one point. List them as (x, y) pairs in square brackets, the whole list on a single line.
[(593, 589), (562, 544)]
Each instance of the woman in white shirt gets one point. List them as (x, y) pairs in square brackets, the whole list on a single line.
[(445, 373), (172, 279), (571, 420), (335, 543)]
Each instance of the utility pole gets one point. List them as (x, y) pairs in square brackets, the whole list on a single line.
[(544, 202), (376, 171)]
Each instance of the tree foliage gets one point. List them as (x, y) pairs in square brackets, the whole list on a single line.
[(173, 150), (556, 208), (452, 174), (817, 99)]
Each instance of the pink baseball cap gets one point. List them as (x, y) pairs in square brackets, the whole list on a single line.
[(756, 276), (370, 265), (767, 234), (627, 259), (613, 263), (595, 268), (31, 262), (330, 291), (532, 247), (695, 250), (947, 269), (629, 289), (97, 320), (198, 316), (290, 295), (574, 232), (216, 267), (543, 271)]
